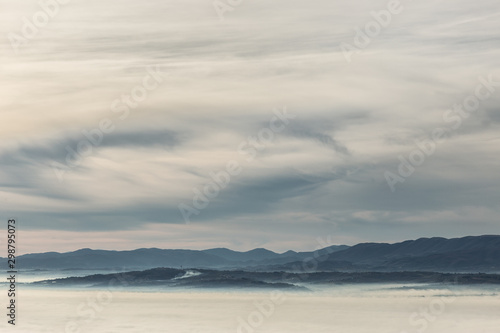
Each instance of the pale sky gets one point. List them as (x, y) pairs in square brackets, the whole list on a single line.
[(215, 83)]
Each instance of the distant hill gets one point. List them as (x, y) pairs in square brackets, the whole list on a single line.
[(265, 257), (151, 258), (177, 278), (256, 254), (467, 254), (99, 259)]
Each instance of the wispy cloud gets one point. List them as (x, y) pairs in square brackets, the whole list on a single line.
[(222, 81)]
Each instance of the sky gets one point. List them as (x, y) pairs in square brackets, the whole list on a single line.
[(322, 122)]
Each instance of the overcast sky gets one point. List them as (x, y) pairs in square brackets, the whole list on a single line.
[(321, 178)]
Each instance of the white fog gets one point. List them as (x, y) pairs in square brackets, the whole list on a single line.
[(374, 308)]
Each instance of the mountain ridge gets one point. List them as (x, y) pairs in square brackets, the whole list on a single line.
[(465, 254), (470, 253)]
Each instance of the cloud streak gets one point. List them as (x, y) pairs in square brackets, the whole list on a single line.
[(323, 174)]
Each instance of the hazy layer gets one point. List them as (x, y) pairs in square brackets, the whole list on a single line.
[(366, 308)]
